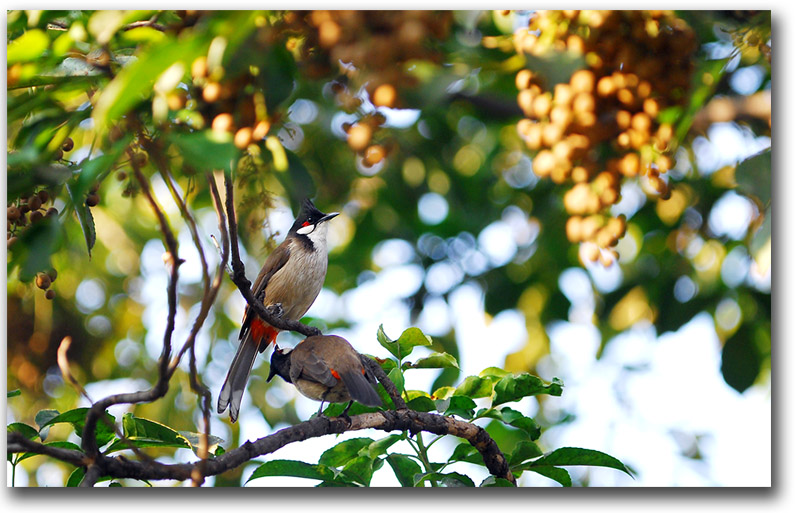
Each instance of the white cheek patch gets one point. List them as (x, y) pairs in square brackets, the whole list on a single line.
[(305, 230)]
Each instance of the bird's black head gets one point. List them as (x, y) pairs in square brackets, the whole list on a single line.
[(309, 218), (280, 363)]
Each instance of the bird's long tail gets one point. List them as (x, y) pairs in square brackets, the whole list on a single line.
[(360, 389), (255, 341)]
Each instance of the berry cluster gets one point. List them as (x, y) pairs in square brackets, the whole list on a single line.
[(27, 210), (227, 104), (44, 280), (369, 48), (601, 126)]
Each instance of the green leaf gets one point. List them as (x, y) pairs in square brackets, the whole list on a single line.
[(213, 442), (76, 477), (523, 451), (60, 444), (495, 372), (577, 456), (403, 346), (396, 375), (86, 219), (512, 418), (42, 417), (27, 47), (148, 433), (206, 150), (760, 245), (740, 360), (277, 75), (25, 430), (451, 479), (297, 181), (411, 338), (701, 91), (475, 387), (459, 405), (292, 468), (379, 447), (754, 176), (34, 248), (134, 83), (467, 453), (13, 393), (388, 343), (404, 468), (359, 470), (77, 418), (494, 481), (513, 388), (443, 392), (421, 403), (343, 452), (557, 474), (435, 361)]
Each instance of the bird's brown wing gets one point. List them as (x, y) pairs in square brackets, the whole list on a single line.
[(308, 365), (276, 260)]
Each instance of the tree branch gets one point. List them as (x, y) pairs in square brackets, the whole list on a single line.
[(89, 439), (404, 420)]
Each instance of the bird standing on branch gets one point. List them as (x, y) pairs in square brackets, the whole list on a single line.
[(326, 368), (289, 281)]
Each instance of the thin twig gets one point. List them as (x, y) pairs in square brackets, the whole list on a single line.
[(89, 438)]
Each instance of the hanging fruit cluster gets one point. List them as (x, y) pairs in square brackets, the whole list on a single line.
[(601, 126), (369, 48), (29, 209), (226, 104)]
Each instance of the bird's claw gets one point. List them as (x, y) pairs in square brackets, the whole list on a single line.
[(275, 310)]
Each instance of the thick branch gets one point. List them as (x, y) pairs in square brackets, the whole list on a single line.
[(243, 284), (403, 420)]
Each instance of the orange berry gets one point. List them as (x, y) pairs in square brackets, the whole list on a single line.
[(243, 137), (42, 281), (359, 136), (374, 154), (212, 92), (222, 122), (524, 79), (543, 163), (582, 81), (629, 164), (261, 129), (384, 96)]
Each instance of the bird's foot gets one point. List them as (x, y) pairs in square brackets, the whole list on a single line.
[(275, 310)]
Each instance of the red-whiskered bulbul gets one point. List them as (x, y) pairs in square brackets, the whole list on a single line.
[(291, 279), (326, 368)]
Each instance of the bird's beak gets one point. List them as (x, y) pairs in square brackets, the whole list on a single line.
[(328, 217), (271, 373)]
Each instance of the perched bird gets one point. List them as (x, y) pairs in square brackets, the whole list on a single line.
[(289, 281), (326, 368)]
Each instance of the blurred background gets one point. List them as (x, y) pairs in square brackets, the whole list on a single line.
[(662, 335)]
